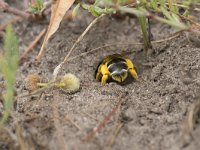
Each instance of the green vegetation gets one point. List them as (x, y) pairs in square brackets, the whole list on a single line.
[(164, 11), (8, 68), (36, 7)]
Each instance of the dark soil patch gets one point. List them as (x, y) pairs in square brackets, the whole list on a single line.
[(155, 108)]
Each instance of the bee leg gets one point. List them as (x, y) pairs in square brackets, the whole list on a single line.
[(104, 79), (98, 76), (133, 73), (132, 69)]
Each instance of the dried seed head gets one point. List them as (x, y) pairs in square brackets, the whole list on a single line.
[(31, 82), (71, 82)]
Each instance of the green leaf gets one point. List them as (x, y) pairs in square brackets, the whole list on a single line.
[(37, 7), (96, 11), (97, 2), (85, 6), (138, 12), (8, 68), (186, 13), (173, 23), (143, 25), (154, 4), (11, 49), (162, 3), (166, 13), (75, 10)]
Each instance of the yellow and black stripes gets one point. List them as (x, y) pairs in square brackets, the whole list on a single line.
[(115, 67)]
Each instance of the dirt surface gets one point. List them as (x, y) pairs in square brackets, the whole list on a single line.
[(153, 112)]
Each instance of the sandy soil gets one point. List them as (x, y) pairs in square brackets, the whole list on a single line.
[(153, 112)]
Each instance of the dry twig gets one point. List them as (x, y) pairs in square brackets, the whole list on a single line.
[(90, 116), (23, 144), (173, 36), (7, 8), (58, 68), (115, 134), (66, 59), (102, 124), (32, 44), (188, 133), (192, 115), (73, 123), (4, 6)]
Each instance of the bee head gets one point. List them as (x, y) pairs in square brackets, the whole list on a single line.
[(119, 75)]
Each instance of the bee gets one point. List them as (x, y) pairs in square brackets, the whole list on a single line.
[(115, 67)]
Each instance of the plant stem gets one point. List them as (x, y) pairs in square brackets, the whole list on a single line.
[(143, 25), (7, 8)]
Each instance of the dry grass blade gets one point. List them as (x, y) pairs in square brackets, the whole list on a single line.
[(102, 124), (88, 115), (73, 123), (188, 133), (22, 142), (173, 36), (58, 10), (58, 68), (193, 115), (115, 134)]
